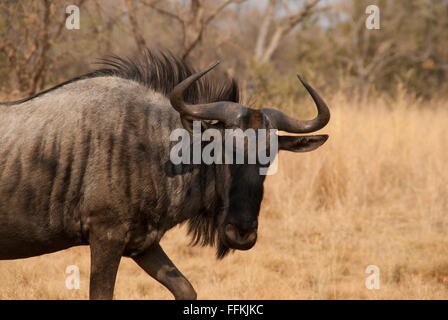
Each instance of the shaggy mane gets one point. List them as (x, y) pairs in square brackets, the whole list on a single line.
[(161, 72), (203, 229)]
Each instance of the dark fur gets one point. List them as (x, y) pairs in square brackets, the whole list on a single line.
[(161, 72)]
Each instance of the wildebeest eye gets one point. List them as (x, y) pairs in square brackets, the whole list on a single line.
[(215, 123)]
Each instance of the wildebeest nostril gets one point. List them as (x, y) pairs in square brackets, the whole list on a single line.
[(238, 238), (249, 228), (252, 236), (230, 230), (242, 232)]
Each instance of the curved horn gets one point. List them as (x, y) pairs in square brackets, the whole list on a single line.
[(282, 122), (223, 111)]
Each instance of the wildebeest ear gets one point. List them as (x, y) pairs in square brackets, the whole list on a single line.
[(301, 143)]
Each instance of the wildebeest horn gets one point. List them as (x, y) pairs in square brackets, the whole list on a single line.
[(223, 111), (281, 121)]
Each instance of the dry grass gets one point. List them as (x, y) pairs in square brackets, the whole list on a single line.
[(375, 193)]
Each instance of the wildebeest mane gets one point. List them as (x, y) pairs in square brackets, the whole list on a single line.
[(203, 229), (160, 71)]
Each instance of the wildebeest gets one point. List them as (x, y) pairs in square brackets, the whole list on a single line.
[(87, 163)]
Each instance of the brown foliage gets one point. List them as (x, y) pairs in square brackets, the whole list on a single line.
[(262, 44)]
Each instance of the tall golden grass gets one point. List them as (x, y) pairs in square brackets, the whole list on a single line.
[(374, 194)]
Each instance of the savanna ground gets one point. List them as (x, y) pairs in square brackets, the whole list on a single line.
[(374, 194)]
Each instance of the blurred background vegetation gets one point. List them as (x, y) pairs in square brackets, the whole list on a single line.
[(261, 43)]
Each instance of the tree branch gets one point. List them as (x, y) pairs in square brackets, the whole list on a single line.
[(284, 26), (152, 5), (138, 37)]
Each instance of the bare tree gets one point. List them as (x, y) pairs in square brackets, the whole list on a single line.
[(193, 20), (139, 40), (32, 28), (265, 45), (365, 63), (368, 55)]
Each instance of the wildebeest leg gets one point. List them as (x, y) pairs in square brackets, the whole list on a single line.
[(105, 255), (157, 264)]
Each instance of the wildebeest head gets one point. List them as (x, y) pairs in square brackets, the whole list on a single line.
[(239, 220)]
